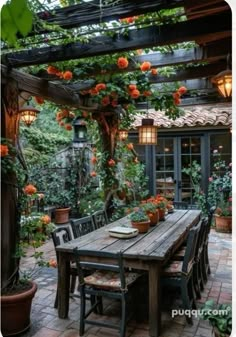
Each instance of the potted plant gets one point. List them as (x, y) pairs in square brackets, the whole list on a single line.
[(16, 297), (219, 316), (140, 220), (223, 216), (151, 211)]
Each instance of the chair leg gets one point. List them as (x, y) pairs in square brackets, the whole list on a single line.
[(56, 300), (185, 299), (204, 265), (196, 281), (72, 283), (123, 316), (82, 310), (191, 292), (100, 305)]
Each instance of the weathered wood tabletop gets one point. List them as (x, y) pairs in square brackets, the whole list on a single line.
[(147, 251)]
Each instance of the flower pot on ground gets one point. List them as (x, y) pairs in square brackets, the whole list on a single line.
[(62, 215), (140, 221), (223, 224), (15, 310), (219, 316)]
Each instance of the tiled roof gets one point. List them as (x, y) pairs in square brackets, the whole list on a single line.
[(195, 116)]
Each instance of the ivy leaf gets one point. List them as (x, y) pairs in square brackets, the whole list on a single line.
[(15, 17)]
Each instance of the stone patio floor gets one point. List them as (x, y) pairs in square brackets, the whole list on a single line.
[(45, 321)]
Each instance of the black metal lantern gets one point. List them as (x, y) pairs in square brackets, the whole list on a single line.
[(147, 132), (28, 114), (80, 130), (223, 81)]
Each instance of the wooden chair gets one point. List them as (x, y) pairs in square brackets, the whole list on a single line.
[(179, 273), (62, 235), (108, 280), (100, 219), (82, 226), (206, 263), (180, 205)]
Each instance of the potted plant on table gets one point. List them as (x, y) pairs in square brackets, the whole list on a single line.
[(140, 220), (151, 211), (219, 316), (16, 297)]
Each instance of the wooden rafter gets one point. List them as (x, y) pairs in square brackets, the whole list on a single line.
[(210, 28)]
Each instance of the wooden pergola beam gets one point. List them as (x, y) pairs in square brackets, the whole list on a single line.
[(37, 87), (209, 28), (91, 12)]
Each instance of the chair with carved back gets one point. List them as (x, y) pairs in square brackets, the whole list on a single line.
[(109, 280), (180, 205), (62, 235), (82, 226), (100, 218), (179, 273)]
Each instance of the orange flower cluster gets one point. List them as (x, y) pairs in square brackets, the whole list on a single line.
[(159, 201), (93, 174), (68, 116), (67, 75), (154, 71), (4, 151), (145, 66), (130, 146), (130, 19), (30, 189), (111, 162), (39, 100), (45, 219), (122, 62), (178, 94), (52, 263)]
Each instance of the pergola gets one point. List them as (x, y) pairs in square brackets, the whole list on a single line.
[(208, 24)]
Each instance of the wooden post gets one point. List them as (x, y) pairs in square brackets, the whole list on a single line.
[(9, 215)]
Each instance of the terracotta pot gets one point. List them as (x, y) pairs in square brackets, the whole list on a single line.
[(223, 224), (62, 215), (142, 227), (15, 311), (162, 213), (154, 217)]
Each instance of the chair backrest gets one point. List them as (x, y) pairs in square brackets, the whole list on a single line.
[(180, 205), (114, 264), (193, 206), (82, 226), (100, 219), (61, 235), (201, 236), (210, 216), (191, 247)]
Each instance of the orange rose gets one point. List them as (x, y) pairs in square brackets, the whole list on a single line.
[(176, 95), (94, 160), (105, 101), (59, 74), (4, 150), (111, 162), (182, 90), (52, 263), (132, 87), (52, 70), (68, 127), (100, 86), (154, 71), (130, 146), (93, 91), (67, 75), (122, 62), (93, 174), (135, 93), (145, 66), (177, 101), (39, 100), (30, 189), (147, 93), (45, 219)]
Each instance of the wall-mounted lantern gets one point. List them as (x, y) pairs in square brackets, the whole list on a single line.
[(147, 132), (28, 114), (80, 130)]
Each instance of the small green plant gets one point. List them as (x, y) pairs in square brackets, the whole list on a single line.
[(219, 316), (138, 216), (148, 207)]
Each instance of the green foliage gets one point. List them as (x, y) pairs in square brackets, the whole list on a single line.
[(219, 316), (15, 18), (138, 216), (148, 207)]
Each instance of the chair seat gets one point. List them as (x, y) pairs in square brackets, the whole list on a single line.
[(109, 280), (174, 268), (181, 252)]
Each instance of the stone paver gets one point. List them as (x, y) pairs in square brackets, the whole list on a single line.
[(45, 321)]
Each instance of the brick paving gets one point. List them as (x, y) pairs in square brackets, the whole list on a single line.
[(45, 321)]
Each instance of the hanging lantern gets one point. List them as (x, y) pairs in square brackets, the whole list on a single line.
[(122, 134), (80, 130), (223, 81), (147, 132), (28, 114)]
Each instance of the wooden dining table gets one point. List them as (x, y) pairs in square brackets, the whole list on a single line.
[(147, 251)]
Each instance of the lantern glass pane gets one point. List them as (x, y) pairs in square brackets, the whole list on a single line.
[(148, 135)]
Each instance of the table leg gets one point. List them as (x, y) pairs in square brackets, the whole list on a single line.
[(154, 300), (63, 286)]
